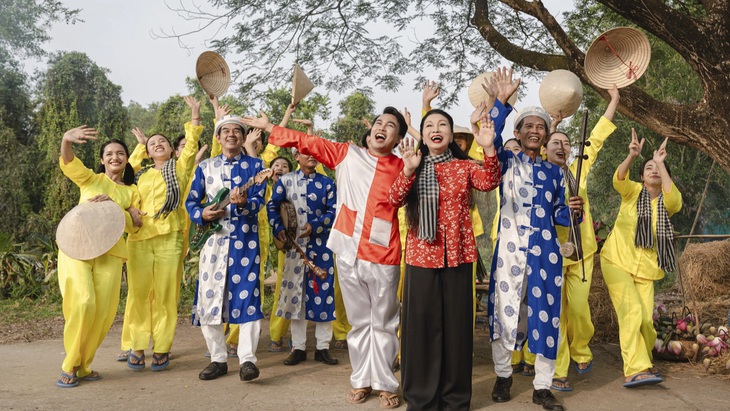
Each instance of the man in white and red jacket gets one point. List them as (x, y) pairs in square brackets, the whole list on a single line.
[(366, 240)]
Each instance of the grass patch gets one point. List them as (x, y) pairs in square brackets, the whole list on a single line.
[(25, 310)]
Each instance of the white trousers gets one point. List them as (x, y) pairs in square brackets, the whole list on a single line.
[(248, 341), (369, 292), (322, 332), (544, 368)]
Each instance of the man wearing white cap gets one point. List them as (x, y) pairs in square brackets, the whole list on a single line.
[(229, 289), (525, 285)]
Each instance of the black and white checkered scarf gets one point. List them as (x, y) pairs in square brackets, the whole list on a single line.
[(172, 196), (428, 196), (664, 231)]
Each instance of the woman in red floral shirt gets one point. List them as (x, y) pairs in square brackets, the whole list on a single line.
[(435, 185)]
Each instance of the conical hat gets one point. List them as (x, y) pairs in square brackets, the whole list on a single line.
[(90, 229), (561, 92), (213, 74), (619, 56), (301, 85), (477, 94)]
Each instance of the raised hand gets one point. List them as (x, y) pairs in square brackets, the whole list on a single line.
[(253, 135), (485, 137), (431, 90), (614, 93), (261, 122), (200, 154), (139, 135), (219, 110), (661, 153), (81, 134), (504, 84), (406, 115), (411, 157), (305, 122), (367, 123), (478, 113), (557, 118), (193, 103), (635, 146)]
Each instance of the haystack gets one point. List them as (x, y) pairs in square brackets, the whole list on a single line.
[(705, 278)]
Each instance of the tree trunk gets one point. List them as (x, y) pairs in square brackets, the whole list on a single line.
[(704, 42)]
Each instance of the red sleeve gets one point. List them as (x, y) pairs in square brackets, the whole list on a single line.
[(488, 177), (326, 152), (400, 189)]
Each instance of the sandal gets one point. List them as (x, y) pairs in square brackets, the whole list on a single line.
[(340, 344), (528, 370), (517, 368), (648, 379), (561, 384), (585, 370), (277, 346), (358, 395), (388, 400), (71, 378), (122, 356), (233, 352), (158, 364), (93, 376), (138, 363)]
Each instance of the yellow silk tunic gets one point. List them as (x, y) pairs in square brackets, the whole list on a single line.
[(153, 190), (598, 136), (620, 248), (92, 184)]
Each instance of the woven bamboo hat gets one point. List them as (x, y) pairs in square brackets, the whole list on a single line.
[(619, 56), (301, 85), (213, 74), (90, 229), (477, 94), (561, 92), (467, 133)]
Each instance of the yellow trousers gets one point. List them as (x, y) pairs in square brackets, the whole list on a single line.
[(576, 327), (278, 326), (633, 300), (340, 326), (90, 291), (153, 267)]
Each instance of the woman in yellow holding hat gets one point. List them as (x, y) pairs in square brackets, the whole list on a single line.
[(156, 249), (90, 288), (638, 251)]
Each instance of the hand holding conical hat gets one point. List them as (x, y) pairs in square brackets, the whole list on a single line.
[(477, 94), (212, 73), (619, 56), (561, 93), (90, 229), (301, 86)]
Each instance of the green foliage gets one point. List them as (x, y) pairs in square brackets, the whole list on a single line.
[(28, 269), (24, 25), (73, 91), (276, 101), (16, 175), (353, 108)]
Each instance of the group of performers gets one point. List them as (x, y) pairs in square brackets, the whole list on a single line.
[(346, 253)]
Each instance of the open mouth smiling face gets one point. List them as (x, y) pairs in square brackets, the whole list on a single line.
[(158, 147), (384, 134), (437, 133)]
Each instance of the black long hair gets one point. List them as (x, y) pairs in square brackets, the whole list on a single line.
[(128, 175), (412, 212)]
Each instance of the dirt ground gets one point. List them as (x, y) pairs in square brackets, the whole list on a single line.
[(30, 369)]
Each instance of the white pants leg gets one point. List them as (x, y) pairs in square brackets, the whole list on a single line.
[(502, 358), (216, 342), (544, 372), (248, 341), (299, 334), (323, 333), (369, 292)]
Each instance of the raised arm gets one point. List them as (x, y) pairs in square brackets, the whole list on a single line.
[(613, 104), (634, 150), (78, 135), (430, 90)]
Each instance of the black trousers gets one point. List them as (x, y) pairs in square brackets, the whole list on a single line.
[(437, 338)]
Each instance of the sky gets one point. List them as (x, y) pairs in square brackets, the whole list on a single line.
[(117, 35)]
